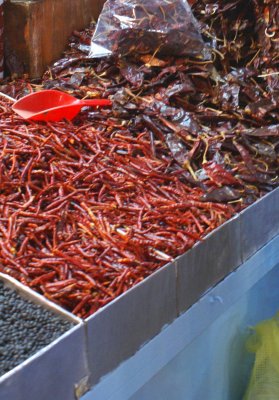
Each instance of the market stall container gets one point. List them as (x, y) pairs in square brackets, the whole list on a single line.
[(136, 317), (56, 363), (36, 32), (1, 38), (203, 353), (118, 331), (96, 351)]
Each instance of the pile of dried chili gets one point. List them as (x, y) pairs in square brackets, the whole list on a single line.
[(87, 211), (90, 208)]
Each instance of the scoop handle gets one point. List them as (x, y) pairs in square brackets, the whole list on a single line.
[(96, 102), (7, 97)]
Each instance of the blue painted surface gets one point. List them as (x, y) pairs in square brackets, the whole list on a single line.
[(216, 366)]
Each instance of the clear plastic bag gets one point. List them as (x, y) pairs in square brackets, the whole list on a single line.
[(264, 381), (138, 27)]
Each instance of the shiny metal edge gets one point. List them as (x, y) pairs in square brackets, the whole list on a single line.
[(53, 306), (34, 296), (54, 372), (119, 329), (39, 299), (134, 373), (207, 263), (132, 289), (274, 192), (37, 355), (259, 223)]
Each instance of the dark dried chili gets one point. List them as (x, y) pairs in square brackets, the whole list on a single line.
[(90, 208)]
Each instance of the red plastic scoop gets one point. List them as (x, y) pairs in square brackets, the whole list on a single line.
[(52, 105)]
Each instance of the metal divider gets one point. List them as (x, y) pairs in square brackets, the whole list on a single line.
[(95, 347), (57, 371)]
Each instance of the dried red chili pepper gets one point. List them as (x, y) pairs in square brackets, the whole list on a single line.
[(81, 242), (147, 27), (116, 194)]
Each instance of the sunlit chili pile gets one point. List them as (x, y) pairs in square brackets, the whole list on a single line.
[(90, 208)]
